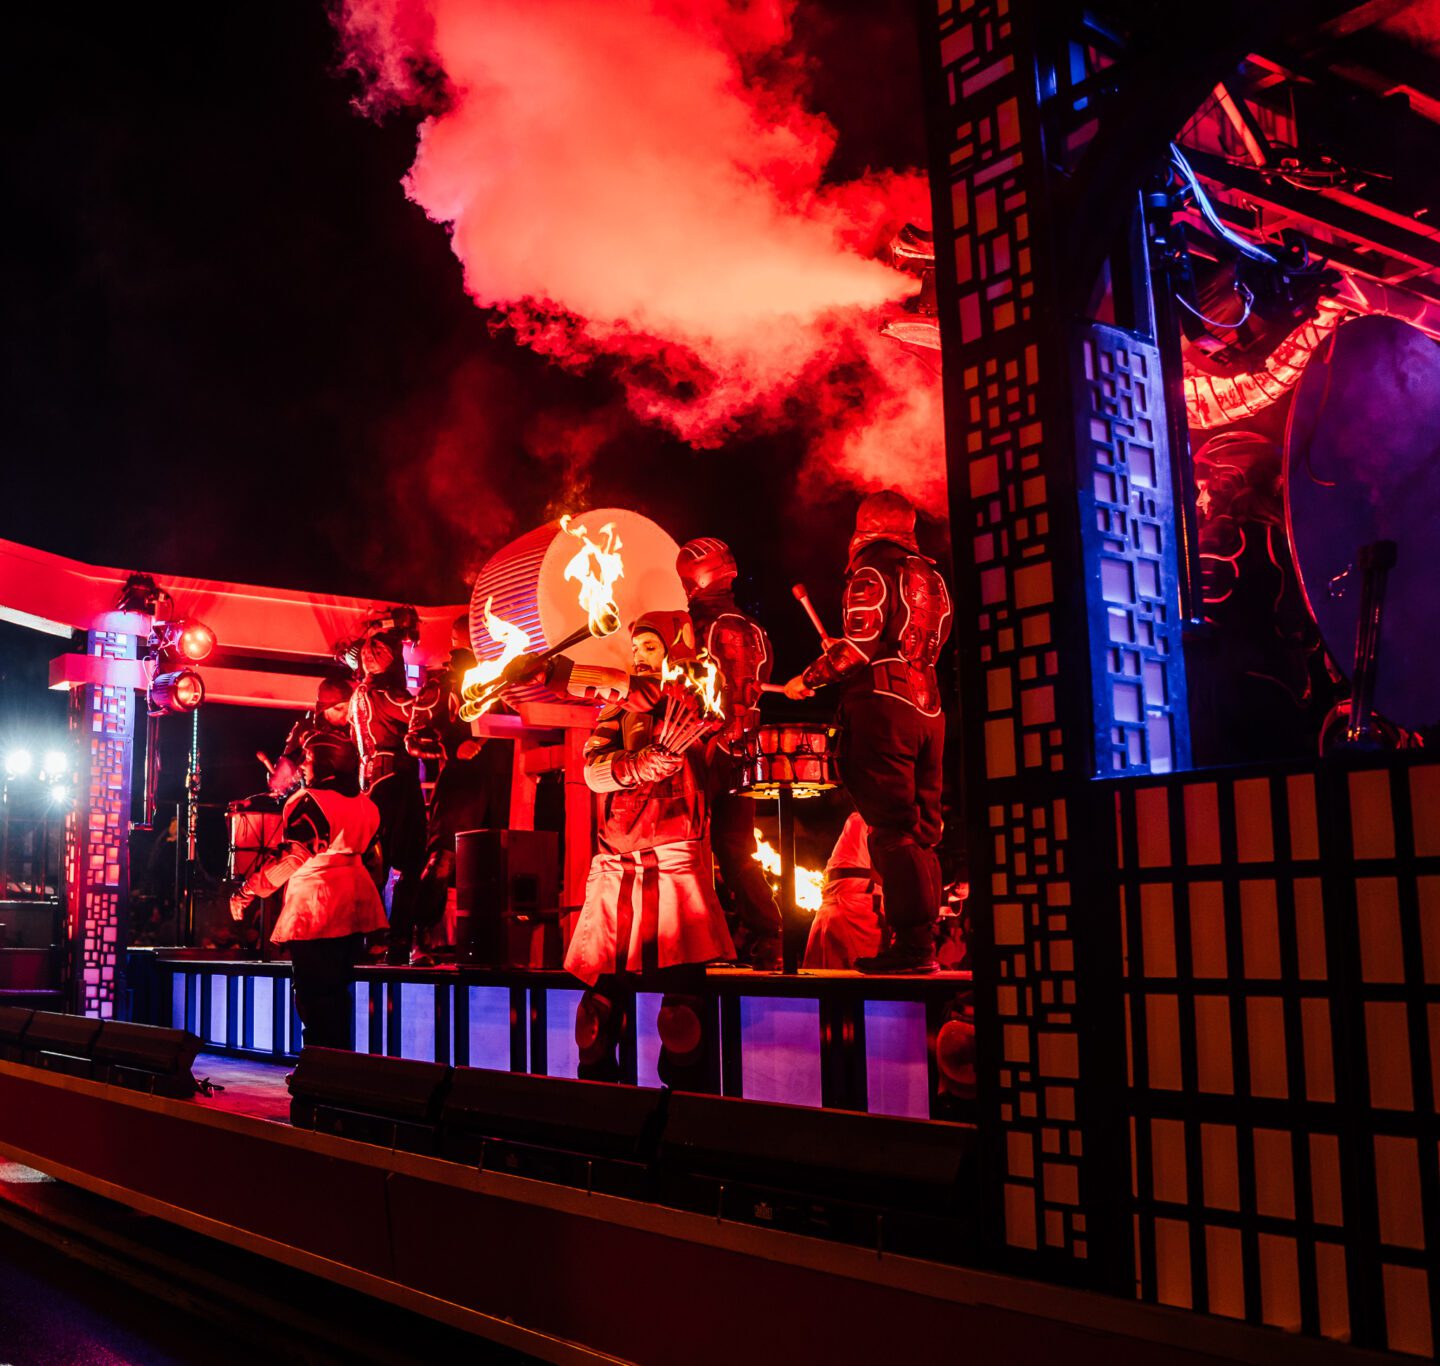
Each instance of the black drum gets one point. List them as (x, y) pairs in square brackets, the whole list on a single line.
[(800, 759)]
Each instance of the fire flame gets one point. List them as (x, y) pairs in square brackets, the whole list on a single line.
[(701, 676), (513, 640), (595, 568), (809, 882)]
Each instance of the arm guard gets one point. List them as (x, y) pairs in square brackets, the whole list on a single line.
[(427, 712), (596, 683), (866, 601), (307, 833)]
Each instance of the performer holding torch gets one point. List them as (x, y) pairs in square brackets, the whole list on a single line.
[(897, 617), (741, 648)]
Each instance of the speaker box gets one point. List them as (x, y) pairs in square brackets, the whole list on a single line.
[(596, 1134), (394, 1101), (14, 1021), (62, 1043), (30, 924), (148, 1058), (507, 896), (857, 1177)]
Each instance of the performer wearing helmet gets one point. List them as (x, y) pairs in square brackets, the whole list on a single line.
[(330, 899), (472, 791), (897, 617), (390, 777), (742, 649), (327, 722)]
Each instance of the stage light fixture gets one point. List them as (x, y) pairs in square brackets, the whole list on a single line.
[(59, 795), (192, 641), (18, 762), (178, 692), (57, 763)]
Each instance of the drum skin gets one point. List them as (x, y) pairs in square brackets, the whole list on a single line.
[(528, 585), (1362, 463)]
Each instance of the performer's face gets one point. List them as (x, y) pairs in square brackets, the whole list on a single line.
[(338, 714), (647, 651), (375, 656), (307, 768)]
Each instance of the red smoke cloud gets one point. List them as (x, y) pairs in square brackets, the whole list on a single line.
[(642, 182)]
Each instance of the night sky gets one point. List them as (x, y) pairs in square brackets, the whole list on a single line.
[(234, 349)]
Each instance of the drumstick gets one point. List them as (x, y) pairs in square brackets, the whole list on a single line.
[(772, 687), (802, 596), (265, 759)]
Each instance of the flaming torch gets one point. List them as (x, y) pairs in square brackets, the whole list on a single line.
[(595, 567), (479, 691), (702, 677)]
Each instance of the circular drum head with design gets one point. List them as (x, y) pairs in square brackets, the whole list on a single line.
[(1362, 464)]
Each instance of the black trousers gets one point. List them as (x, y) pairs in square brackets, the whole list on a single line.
[(689, 1040), (891, 758), (401, 846), (732, 838), (324, 969)]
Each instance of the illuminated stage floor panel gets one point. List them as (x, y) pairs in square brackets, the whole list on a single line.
[(834, 1039)]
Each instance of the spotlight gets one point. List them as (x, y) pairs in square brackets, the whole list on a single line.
[(188, 640), (180, 691), (59, 795), (18, 763), (57, 763)]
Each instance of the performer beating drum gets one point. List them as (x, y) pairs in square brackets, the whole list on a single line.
[(740, 646), (897, 617)]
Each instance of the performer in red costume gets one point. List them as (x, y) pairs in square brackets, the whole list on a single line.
[(897, 617), (850, 923), (330, 899), (741, 648), (390, 777), (651, 917), (328, 722)]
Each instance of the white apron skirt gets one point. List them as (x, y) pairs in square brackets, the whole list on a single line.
[(655, 908)]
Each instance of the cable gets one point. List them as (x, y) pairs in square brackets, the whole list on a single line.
[(1207, 211), (1243, 292)]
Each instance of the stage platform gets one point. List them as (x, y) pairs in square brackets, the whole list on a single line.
[(555, 1271), (834, 1039)]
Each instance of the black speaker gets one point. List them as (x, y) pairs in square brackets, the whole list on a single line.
[(14, 1021), (590, 1133), (507, 898), (393, 1101), (899, 1183), (62, 1043), (146, 1058)]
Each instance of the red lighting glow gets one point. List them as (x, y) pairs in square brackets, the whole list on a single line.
[(197, 641), (622, 180)]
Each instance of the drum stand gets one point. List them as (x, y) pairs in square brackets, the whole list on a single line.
[(794, 929)]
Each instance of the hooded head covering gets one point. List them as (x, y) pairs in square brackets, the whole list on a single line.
[(884, 516), (675, 629)]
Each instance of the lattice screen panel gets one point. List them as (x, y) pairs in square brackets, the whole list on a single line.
[(1127, 526), (97, 855), (1282, 963)]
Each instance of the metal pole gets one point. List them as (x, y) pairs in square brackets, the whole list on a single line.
[(789, 912)]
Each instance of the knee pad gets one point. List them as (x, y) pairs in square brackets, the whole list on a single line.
[(592, 1016), (680, 1027)]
